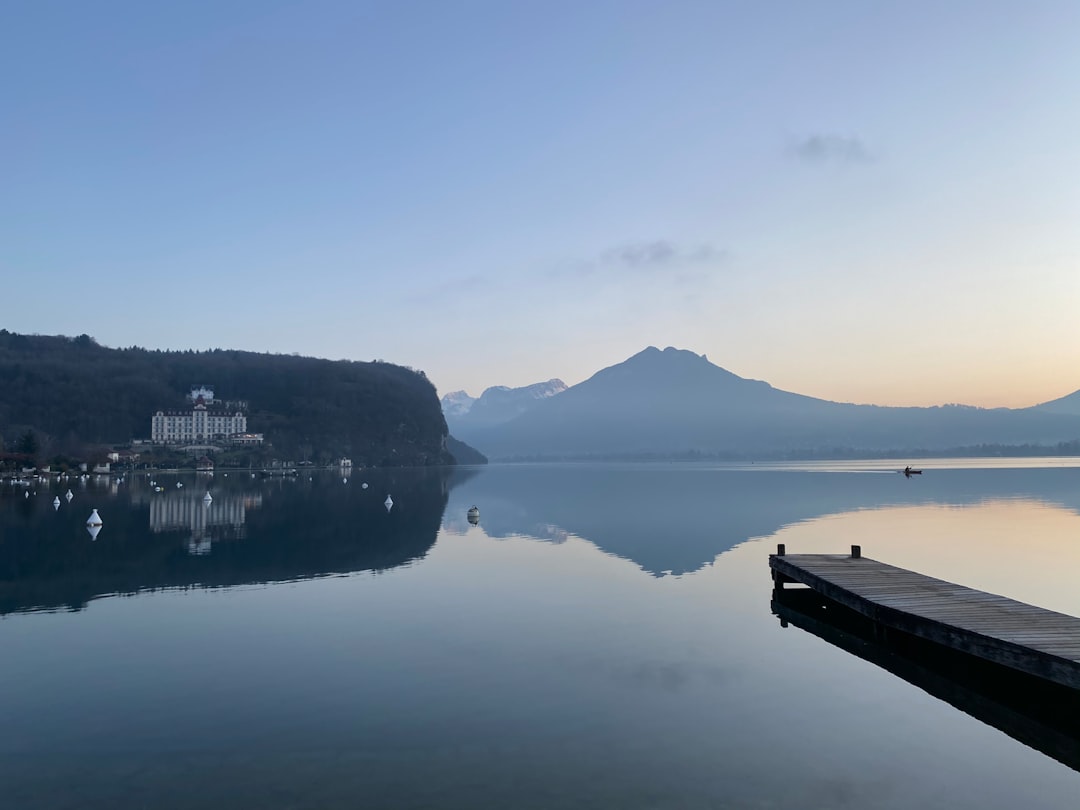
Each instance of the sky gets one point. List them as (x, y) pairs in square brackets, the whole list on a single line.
[(865, 202)]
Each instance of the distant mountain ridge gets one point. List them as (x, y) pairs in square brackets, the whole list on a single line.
[(497, 404), (456, 403), (1069, 404), (675, 402)]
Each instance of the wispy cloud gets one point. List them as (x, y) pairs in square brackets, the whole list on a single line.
[(829, 148), (657, 254), (655, 261)]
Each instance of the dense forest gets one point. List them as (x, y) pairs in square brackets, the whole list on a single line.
[(60, 396)]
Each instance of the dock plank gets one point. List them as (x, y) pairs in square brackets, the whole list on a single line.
[(1031, 639)]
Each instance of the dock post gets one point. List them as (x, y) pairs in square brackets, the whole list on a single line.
[(856, 552), (777, 577)]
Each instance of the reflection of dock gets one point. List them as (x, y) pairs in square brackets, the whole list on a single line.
[(1030, 639), (1044, 716)]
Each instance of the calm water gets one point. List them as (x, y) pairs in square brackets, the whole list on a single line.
[(603, 638)]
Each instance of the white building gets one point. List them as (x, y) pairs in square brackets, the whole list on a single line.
[(202, 391), (198, 425)]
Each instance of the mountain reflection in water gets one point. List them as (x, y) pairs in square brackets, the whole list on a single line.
[(677, 518), (251, 532)]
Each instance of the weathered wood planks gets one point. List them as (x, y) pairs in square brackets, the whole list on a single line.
[(1030, 639)]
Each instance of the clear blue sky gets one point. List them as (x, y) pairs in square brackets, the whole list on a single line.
[(861, 201)]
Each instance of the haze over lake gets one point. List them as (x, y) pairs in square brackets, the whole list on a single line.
[(602, 638)]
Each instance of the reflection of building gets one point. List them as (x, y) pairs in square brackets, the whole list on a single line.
[(206, 420), (227, 513)]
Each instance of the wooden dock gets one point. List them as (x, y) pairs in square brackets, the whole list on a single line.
[(1030, 639)]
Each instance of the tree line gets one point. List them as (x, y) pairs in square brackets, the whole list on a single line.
[(61, 395)]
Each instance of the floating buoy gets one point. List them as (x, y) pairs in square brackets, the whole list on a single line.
[(178, 485), (473, 515), (69, 496), (388, 503), (344, 480), (363, 485), (93, 531), (207, 498), (56, 502), (26, 494), (94, 519)]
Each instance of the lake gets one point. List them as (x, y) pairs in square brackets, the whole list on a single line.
[(604, 637)]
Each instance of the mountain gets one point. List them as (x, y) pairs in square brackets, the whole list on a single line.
[(497, 404), (72, 392), (1066, 405), (675, 402), (456, 404), (463, 453)]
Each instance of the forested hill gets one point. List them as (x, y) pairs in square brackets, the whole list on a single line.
[(72, 392)]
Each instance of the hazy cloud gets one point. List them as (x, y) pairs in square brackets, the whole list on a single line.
[(826, 148), (656, 260), (658, 254)]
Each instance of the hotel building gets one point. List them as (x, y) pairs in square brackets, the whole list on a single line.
[(200, 424)]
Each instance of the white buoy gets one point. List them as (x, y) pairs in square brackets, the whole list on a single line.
[(207, 498), (363, 485), (344, 480), (94, 519), (178, 485), (388, 503), (26, 494), (56, 502), (93, 531), (69, 496)]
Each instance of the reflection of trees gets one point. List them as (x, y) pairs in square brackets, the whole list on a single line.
[(303, 529)]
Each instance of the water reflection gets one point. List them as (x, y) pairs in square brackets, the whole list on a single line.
[(512, 673), (206, 518), (1039, 714), (678, 518), (249, 532)]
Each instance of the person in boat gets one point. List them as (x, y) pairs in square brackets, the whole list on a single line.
[(907, 470)]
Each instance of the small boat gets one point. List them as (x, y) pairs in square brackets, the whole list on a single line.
[(908, 472), (473, 515)]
